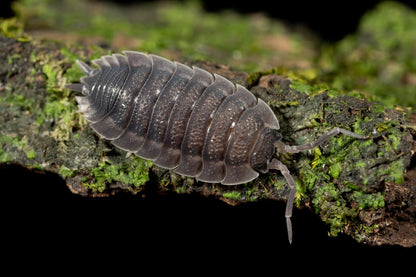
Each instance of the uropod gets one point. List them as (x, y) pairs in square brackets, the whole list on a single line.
[(186, 119)]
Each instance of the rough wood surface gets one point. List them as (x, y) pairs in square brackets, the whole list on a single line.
[(365, 189)]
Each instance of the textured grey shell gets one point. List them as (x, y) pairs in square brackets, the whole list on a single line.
[(186, 119)]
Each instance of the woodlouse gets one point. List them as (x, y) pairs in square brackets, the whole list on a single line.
[(186, 119)]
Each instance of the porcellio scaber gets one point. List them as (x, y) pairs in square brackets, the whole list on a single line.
[(186, 119)]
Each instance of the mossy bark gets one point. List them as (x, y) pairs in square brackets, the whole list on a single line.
[(363, 188)]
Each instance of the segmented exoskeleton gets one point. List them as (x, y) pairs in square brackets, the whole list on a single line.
[(186, 119)]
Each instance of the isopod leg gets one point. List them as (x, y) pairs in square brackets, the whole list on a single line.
[(283, 148), (276, 164)]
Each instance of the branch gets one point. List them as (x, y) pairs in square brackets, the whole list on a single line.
[(357, 187)]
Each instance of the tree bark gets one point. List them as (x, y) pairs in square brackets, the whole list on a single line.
[(364, 188)]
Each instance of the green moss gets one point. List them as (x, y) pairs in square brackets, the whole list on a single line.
[(95, 186), (180, 189), (57, 112), (66, 172), (379, 59), (335, 170), (378, 108), (278, 184), (360, 164), (385, 125), (335, 210), (13, 28), (309, 176), (13, 57), (302, 87), (345, 169), (171, 27), (394, 141), (134, 172), (365, 231), (397, 172), (13, 146), (18, 100), (51, 75), (38, 167), (235, 195), (313, 88), (70, 56), (31, 154), (253, 192), (372, 200), (316, 157), (60, 105), (332, 208), (350, 162), (359, 125), (5, 156)]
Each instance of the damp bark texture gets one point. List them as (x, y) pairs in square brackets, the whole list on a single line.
[(363, 188)]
